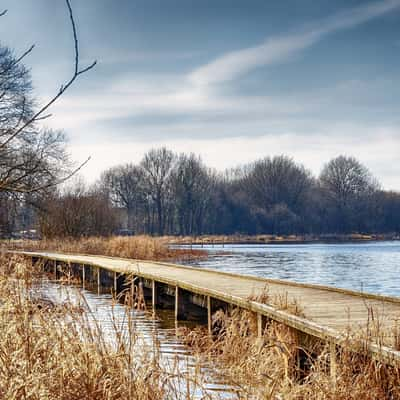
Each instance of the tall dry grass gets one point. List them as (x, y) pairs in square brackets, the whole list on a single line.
[(278, 366), (138, 247), (50, 351)]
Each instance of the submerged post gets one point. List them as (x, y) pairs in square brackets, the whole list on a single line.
[(83, 275), (98, 280), (176, 302), (153, 294), (132, 290), (69, 272)]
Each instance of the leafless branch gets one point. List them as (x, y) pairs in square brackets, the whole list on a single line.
[(48, 185), (63, 87), (41, 118)]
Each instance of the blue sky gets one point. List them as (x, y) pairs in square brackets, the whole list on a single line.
[(230, 80)]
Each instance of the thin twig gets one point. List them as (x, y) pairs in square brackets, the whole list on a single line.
[(63, 87), (40, 114), (48, 185)]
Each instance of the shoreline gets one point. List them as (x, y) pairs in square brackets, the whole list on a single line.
[(276, 240)]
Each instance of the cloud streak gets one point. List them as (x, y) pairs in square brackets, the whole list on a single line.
[(280, 48)]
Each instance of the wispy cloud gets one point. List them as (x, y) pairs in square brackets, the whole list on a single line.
[(191, 112), (134, 95), (279, 48)]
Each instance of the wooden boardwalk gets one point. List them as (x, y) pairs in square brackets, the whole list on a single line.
[(328, 312)]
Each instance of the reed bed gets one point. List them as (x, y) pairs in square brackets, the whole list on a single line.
[(277, 365), (50, 351), (139, 247)]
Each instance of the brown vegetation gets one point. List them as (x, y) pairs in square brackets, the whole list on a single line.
[(275, 239), (53, 351), (134, 247), (76, 213), (277, 366)]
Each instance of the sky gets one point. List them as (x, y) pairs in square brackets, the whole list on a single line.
[(232, 81)]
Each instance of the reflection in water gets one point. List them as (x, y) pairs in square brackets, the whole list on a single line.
[(370, 267), (151, 335)]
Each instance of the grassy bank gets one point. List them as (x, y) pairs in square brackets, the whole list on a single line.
[(139, 247)]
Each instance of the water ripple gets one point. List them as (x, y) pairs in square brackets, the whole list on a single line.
[(369, 267)]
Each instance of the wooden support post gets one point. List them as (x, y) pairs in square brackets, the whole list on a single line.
[(141, 303), (55, 269), (209, 315), (83, 275), (259, 325), (98, 280), (153, 294), (69, 272), (176, 303), (115, 283), (332, 353), (131, 297)]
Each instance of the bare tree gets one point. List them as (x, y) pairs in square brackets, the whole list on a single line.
[(31, 158), (192, 193), (347, 185), (158, 165), (345, 178), (125, 185), (277, 180), (76, 212)]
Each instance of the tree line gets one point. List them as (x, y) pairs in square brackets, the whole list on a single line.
[(177, 194), (167, 193)]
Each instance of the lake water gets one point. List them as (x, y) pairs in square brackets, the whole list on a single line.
[(372, 267)]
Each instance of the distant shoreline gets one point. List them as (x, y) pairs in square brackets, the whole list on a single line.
[(284, 240)]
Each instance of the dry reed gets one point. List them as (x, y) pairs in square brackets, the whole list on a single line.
[(139, 247), (50, 351), (278, 366), (54, 352)]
